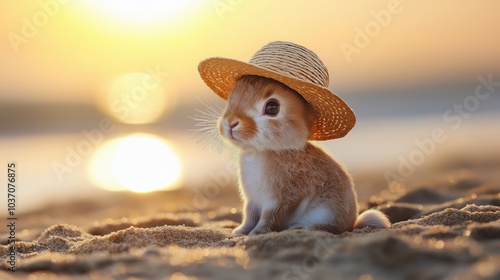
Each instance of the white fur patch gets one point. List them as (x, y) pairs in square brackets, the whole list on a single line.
[(306, 216), (254, 182)]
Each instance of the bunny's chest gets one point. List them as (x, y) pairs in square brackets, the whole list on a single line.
[(253, 178)]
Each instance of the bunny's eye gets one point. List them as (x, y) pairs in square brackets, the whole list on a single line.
[(272, 108)]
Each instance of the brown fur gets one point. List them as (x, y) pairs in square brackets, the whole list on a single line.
[(327, 182), (283, 176)]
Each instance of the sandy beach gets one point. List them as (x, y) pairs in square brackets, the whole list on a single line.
[(446, 225), (120, 171)]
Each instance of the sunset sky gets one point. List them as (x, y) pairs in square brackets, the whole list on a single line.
[(67, 51)]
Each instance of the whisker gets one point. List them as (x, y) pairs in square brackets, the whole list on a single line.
[(206, 131)]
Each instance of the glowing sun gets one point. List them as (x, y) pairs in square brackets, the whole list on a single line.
[(139, 163)]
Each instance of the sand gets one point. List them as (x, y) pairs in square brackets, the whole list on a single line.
[(446, 226)]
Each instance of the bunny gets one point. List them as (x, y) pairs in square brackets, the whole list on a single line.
[(277, 102), (285, 181)]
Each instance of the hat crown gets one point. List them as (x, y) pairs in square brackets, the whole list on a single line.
[(292, 60)]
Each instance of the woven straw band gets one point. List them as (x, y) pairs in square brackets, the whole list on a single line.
[(292, 60), (298, 68)]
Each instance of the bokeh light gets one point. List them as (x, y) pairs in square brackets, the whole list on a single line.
[(136, 98), (139, 163)]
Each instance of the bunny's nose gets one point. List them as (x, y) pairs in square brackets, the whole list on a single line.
[(232, 125)]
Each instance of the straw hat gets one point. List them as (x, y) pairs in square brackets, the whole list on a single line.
[(294, 66)]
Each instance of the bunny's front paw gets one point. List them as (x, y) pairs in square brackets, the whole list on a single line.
[(259, 230), (241, 230)]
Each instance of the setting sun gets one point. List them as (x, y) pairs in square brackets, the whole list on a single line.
[(139, 163)]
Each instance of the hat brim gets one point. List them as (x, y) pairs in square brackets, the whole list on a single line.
[(334, 118)]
